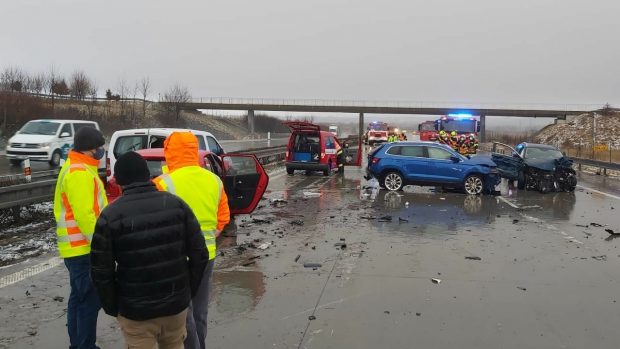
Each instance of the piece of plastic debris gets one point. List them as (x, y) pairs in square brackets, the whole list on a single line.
[(312, 265), (418, 314), (600, 258), (473, 258), (311, 194), (436, 281), (59, 299), (297, 222), (385, 219), (596, 225), (515, 221), (297, 258), (248, 263), (522, 288), (311, 317), (342, 245), (402, 220), (610, 231), (386, 311), (264, 246), (407, 204)]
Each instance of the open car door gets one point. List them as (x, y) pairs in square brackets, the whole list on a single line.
[(509, 162), (351, 151), (245, 182)]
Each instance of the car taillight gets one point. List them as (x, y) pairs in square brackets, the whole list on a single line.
[(108, 169), (374, 161), (322, 155)]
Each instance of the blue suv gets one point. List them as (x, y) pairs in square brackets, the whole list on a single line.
[(398, 164)]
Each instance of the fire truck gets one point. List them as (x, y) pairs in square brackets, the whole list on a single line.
[(427, 131), (376, 132), (463, 124)]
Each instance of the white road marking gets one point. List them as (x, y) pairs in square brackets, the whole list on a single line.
[(599, 192), (513, 205), (29, 272)]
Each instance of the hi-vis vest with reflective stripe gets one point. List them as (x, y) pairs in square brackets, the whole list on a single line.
[(201, 190), (76, 215)]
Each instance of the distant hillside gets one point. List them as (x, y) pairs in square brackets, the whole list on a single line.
[(578, 130)]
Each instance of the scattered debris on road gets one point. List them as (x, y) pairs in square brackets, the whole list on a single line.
[(522, 288), (436, 281), (59, 299), (610, 231), (310, 194), (418, 314), (385, 219), (601, 258), (515, 221), (473, 258), (312, 265), (402, 220), (297, 258), (311, 317), (596, 225), (342, 245), (297, 222), (264, 246)]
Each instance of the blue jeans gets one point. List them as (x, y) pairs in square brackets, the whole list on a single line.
[(83, 305), (198, 311)]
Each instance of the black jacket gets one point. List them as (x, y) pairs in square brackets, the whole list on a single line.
[(148, 254)]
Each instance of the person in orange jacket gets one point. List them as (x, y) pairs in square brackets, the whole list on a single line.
[(204, 193)]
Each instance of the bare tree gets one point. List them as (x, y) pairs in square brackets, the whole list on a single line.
[(92, 93), (38, 83), (145, 88), (79, 85), (50, 81), (174, 99), (123, 91), (134, 114)]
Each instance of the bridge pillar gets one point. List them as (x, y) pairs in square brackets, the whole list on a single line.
[(361, 126), (483, 131), (251, 120)]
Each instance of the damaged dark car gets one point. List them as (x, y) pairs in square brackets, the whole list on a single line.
[(535, 167)]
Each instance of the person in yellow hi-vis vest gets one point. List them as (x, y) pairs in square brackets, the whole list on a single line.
[(78, 200), (204, 193)]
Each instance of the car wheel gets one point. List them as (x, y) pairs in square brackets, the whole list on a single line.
[(393, 181), (15, 162), (473, 185), (55, 160), (521, 180), (290, 171)]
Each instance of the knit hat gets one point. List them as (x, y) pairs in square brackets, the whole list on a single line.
[(131, 168), (88, 138)]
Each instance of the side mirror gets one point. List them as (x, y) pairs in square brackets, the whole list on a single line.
[(65, 135), (455, 159)]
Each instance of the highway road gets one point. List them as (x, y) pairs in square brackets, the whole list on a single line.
[(523, 270)]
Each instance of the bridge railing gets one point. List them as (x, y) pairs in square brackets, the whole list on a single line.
[(394, 104)]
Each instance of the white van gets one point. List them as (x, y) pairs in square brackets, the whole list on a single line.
[(44, 140), (144, 138)]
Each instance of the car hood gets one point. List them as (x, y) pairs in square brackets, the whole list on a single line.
[(23, 138), (480, 160), (548, 164)]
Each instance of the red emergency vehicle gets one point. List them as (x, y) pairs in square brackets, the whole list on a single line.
[(427, 131)]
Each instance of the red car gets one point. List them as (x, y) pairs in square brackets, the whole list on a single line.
[(311, 149), (244, 178)]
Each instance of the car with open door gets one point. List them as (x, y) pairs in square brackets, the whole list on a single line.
[(539, 167), (244, 178)]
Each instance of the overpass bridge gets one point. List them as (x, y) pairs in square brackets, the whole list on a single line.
[(558, 112)]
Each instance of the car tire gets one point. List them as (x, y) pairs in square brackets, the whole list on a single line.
[(393, 181), (290, 171), (55, 159), (15, 162), (473, 185), (521, 180)]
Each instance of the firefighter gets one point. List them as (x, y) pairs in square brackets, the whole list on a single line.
[(454, 140), (443, 137), (204, 193), (79, 198)]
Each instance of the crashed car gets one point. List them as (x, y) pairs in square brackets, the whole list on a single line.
[(535, 166)]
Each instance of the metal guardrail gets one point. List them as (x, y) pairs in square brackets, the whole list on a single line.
[(596, 163), (43, 189)]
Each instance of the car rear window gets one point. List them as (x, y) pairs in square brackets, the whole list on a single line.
[(155, 167), (129, 143)]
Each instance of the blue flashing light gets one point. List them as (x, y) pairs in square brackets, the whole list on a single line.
[(460, 115)]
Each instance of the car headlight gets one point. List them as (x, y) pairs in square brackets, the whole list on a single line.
[(45, 145)]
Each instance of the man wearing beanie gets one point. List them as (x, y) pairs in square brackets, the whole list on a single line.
[(78, 200), (148, 258)]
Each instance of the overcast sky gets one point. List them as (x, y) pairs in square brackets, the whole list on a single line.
[(494, 51)]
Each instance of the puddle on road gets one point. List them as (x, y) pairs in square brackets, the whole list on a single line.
[(236, 292)]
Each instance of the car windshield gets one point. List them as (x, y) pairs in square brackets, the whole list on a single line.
[(542, 153), (461, 126), (47, 128), (155, 167)]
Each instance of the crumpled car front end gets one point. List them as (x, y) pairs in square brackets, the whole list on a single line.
[(548, 175)]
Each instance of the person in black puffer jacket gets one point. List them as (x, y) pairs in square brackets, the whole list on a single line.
[(148, 258)]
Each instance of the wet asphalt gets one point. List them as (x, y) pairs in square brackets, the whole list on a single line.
[(523, 270)]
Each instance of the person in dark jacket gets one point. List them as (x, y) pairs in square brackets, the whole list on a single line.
[(148, 258)]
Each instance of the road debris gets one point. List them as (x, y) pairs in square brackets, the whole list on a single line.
[(601, 258), (596, 225), (582, 225), (342, 245), (515, 221), (436, 281), (32, 332), (610, 231), (297, 258), (311, 317), (264, 246), (418, 314), (311, 194), (246, 264), (386, 311), (59, 299), (312, 265), (385, 219), (402, 220), (473, 258), (297, 222), (522, 288)]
